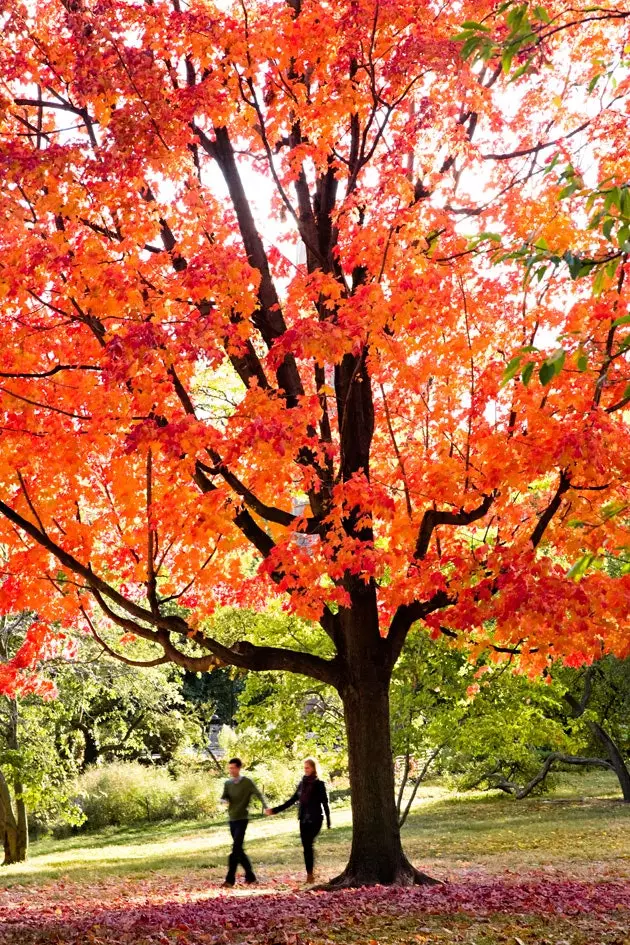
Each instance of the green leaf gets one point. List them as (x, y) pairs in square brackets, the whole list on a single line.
[(511, 370), (506, 59), (527, 372), (487, 49), (558, 358), (473, 25), (469, 46), (542, 14), (582, 361), (612, 198), (598, 283), (545, 373), (607, 228), (522, 69), (581, 566), (551, 366), (569, 189), (551, 164), (623, 237), (611, 268), (623, 320), (573, 262), (612, 509), (597, 218), (495, 237), (517, 17)]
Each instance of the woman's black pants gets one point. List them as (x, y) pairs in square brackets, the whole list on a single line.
[(308, 831)]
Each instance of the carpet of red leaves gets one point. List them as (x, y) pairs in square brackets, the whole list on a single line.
[(157, 912)]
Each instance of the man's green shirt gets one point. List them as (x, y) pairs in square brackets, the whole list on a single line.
[(239, 794)]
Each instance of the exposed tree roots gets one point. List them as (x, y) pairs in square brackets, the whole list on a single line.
[(355, 877)]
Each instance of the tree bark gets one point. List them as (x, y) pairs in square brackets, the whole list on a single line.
[(8, 823), (376, 855), (22, 824), (91, 752), (615, 757), (19, 826)]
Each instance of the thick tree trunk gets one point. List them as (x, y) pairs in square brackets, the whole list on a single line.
[(376, 856), (8, 825), (17, 845)]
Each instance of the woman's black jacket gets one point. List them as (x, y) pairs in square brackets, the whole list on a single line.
[(309, 811)]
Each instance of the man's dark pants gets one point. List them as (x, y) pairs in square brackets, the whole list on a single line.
[(238, 855)]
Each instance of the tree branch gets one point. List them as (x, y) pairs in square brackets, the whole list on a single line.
[(406, 616), (510, 787), (143, 664), (249, 656), (524, 152), (268, 319), (433, 518), (563, 486), (55, 370)]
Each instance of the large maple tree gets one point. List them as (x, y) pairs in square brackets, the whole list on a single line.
[(263, 268)]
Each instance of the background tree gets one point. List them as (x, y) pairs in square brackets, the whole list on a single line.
[(581, 719), (34, 779), (218, 692), (107, 710), (309, 197)]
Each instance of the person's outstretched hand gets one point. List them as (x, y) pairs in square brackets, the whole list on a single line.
[(268, 812)]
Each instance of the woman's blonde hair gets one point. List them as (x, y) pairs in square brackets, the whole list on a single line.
[(312, 763)]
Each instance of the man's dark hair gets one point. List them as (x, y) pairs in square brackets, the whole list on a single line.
[(236, 761)]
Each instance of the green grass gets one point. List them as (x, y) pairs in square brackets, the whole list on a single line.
[(581, 832), (583, 823)]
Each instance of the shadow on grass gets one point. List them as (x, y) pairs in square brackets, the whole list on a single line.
[(460, 829), (124, 835)]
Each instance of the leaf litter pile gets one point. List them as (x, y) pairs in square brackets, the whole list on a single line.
[(159, 911)]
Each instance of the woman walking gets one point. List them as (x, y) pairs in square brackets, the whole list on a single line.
[(311, 798)]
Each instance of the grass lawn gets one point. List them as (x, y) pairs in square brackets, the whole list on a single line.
[(545, 870)]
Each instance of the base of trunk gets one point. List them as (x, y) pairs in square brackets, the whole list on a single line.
[(355, 876)]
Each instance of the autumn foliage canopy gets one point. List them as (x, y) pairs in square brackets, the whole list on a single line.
[(324, 302)]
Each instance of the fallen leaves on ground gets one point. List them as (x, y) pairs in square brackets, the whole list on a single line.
[(150, 913)]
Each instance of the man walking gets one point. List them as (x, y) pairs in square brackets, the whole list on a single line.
[(237, 793)]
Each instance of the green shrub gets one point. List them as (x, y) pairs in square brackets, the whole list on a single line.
[(198, 795), (126, 793), (276, 779)]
